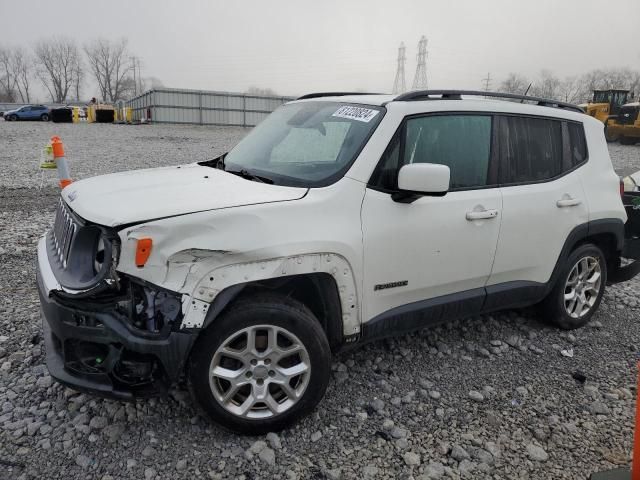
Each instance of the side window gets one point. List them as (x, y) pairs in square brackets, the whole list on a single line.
[(462, 142), (577, 144), (531, 149)]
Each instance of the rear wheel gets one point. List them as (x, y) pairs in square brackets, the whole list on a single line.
[(628, 140), (265, 363), (44, 117), (579, 289)]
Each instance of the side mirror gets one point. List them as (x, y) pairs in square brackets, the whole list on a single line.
[(418, 179)]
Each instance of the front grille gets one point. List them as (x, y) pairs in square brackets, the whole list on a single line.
[(64, 230)]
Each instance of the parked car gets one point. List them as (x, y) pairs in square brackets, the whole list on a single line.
[(338, 220), (28, 112)]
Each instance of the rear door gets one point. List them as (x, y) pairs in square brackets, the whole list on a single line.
[(542, 195)]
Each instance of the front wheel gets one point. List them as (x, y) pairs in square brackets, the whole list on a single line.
[(579, 289), (265, 363), (13, 118), (611, 136)]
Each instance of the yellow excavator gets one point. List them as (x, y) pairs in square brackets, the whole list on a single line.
[(625, 125), (606, 103)]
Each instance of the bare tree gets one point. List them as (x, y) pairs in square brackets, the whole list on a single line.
[(7, 78), (547, 85), (58, 61), (110, 64), (22, 66), (514, 83), (569, 90)]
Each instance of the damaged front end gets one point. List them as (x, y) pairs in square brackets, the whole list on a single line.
[(105, 332)]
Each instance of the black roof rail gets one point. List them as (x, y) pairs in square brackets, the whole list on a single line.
[(457, 95), (333, 94)]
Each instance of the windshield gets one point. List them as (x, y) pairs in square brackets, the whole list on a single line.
[(305, 144)]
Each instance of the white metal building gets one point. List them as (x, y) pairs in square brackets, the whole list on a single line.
[(201, 107)]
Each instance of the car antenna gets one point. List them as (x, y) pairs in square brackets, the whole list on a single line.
[(526, 91)]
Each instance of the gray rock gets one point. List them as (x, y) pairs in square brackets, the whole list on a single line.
[(370, 471), (412, 459), (315, 436), (258, 446), (181, 465), (537, 453), (268, 456), (333, 474), (148, 451), (83, 461), (98, 423), (149, 473), (274, 441), (599, 408), (33, 427), (433, 471), (458, 453), (466, 466), (113, 432), (131, 463), (476, 396), (44, 382)]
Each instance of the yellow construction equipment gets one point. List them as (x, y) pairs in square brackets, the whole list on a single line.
[(605, 103), (625, 125)]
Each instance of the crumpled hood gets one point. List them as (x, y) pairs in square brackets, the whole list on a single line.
[(142, 195)]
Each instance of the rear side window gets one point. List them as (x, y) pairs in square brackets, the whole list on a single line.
[(577, 144), (531, 149), (462, 142)]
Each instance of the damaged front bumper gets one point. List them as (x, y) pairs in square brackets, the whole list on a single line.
[(97, 349)]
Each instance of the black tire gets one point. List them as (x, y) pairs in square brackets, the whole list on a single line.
[(44, 117), (13, 118), (270, 309), (610, 137), (627, 140), (553, 306)]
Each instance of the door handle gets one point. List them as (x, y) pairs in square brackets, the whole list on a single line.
[(568, 202), (482, 215)]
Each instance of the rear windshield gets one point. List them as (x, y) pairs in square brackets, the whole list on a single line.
[(305, 144)]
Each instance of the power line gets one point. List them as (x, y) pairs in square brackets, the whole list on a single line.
[(399, 85), (420, 79), (487, 82)]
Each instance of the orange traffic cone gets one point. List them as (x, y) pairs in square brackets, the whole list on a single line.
[(61, 162)]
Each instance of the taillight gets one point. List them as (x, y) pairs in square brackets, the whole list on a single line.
[(621, 188)]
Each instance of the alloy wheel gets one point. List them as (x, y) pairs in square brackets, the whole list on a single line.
[(582, 287), (259, 372)]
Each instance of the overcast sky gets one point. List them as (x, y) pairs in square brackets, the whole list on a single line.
[(297, 46)]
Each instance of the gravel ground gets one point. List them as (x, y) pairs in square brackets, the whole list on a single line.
[(489, 397)]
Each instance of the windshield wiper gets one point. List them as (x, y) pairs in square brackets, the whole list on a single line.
[(250, 176)]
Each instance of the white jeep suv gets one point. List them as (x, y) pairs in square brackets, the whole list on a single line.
[(340, 219)]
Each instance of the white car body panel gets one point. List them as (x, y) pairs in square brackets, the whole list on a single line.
[(140, 195), (212, 229), (429, 244), (188, 248)]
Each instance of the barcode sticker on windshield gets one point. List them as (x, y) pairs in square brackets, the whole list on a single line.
[(356, 113)]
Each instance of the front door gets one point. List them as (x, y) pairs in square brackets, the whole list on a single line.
[(417, 253)]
